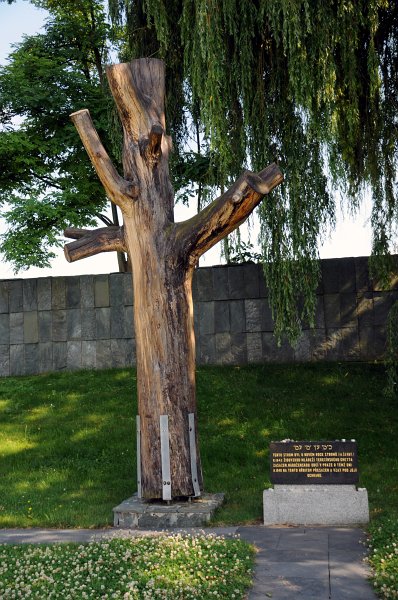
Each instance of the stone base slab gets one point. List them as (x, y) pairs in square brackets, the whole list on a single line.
[(136, 512), (315, 505)]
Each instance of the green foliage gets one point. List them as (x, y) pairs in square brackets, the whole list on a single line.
[(172, 567), (46, 179), (311, 85), (383, 557), (391, 388)]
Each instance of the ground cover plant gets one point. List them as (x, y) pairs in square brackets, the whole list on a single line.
[(383, 557), (166, 567), (67, 440)]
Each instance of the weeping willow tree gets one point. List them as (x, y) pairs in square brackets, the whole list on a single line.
[(311, 85)]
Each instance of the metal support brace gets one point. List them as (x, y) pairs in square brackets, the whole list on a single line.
[(192, 449), (139, 487), (165, 453)]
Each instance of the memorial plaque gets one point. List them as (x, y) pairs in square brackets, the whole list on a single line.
[(312, 463)]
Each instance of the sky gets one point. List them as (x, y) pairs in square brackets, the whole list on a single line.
[(352, 236)]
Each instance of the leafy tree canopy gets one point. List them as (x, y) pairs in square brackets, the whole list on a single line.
[(310, 84), (46, 180)]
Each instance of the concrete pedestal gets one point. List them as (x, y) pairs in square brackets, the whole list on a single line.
[(315, 505), (135, 512)]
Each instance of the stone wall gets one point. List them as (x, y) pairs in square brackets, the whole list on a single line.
[(62, 323)]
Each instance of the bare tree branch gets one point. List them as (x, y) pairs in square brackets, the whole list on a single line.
[(90, 242), (195, 236), (121, 192)]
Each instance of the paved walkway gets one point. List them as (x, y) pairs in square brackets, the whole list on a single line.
[(292, 563)]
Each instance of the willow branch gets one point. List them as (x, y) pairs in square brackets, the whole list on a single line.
[(195, 236), (90, 242), (117, 188)]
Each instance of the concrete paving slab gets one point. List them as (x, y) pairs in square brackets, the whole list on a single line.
[(315, 569), (347, 588), (290, 589)]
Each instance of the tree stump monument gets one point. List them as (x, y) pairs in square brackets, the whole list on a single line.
[(163, 256)]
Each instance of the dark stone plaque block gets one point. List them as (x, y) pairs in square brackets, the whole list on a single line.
[(29, 294), (309, 463)]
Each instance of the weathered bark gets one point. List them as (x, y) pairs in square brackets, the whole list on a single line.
[(163, 257)]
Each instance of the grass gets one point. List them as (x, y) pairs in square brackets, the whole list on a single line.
[(173, 568), (67, 440)]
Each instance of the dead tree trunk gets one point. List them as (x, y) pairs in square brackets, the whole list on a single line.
[(163, 255)]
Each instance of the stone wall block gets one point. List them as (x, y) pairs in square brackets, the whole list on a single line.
[(236, 280), (254, 310), (116, 289), (367, 345), (29, 290), (363, 282), (31, 358), (332, 310), (383, 302), (73, 293), (239, 348), (347, 275), (221, 317), (206, 318), (73, 356), (4, 360), (204, 283), (129, 331), (237, 316), (348, 310), (103, 323), (220, 283), (251, 276), (15, 291), (59, 326), (117, 321), (44, 293), (16, 328), (89, 325), (74, 324), (17, 359), (332, 344), (128, 289), (89, 354), (58, 293), (45, 320), (254, 347), (262, 283), (231, 348), (31, 327), (365, 309), (101, 291), (4, 305), (223, 349), (59, 356), (274, 353), (103, 354), (206, 350), (87, 291), (119, 353), (303, 348), (4, 328), (330, 275), (131, 352), (350, 348), (45, 357)]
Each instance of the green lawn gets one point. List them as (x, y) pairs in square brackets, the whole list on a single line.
[(67, 440)]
